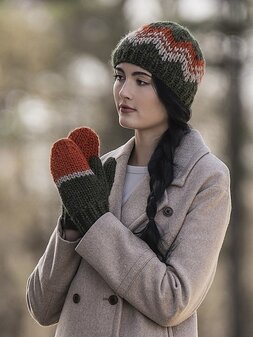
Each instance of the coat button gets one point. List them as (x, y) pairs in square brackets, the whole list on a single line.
[(76, 298), (167, 211), (113, 299)]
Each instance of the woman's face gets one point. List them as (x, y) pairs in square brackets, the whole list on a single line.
[(137, 102)]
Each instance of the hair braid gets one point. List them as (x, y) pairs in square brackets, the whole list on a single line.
[(161, 164)]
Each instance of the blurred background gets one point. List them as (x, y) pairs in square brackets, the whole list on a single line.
[(55, 75)]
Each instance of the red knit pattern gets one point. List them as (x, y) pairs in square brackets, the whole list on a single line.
[(167, 33), (87, 141), (66, 158)]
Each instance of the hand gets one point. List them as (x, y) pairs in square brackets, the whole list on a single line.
[(83, 186), (88, 142)]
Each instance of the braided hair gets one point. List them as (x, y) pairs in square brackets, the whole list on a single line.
[(161, 163)]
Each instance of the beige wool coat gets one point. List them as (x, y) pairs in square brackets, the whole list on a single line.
[(111, 284)]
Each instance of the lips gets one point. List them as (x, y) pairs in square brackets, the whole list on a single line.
[(126, 108)]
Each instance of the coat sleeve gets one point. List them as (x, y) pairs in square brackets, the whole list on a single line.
[(48, 284), (166, 293)]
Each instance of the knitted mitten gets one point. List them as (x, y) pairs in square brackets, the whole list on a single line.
[(88, 142), (84, 193)]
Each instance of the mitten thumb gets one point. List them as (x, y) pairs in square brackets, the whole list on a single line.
[(105, 172), (109, 169), (97, 168)]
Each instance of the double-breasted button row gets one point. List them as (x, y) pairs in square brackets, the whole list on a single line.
[(113, 299), (167, 211)]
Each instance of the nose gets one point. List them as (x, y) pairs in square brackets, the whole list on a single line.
[(125, 91)]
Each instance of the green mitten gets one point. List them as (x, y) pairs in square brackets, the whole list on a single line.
[(84, 193), (88, 142)]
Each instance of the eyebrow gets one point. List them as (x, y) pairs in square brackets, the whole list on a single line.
[(135, 73)]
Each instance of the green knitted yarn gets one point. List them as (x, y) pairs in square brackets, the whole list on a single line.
[(84, 187), (168, 51)]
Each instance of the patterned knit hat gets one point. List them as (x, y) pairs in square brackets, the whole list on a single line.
[(168, 51)]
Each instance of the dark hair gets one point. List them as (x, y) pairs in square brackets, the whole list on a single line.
[(161, 163)]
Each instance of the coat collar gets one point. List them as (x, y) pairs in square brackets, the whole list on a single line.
[(187, 154), (191, 149)]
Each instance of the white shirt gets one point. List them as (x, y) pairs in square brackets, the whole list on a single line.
[(134, 175)]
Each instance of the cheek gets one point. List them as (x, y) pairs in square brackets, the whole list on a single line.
[(156, 109), (116, 89), (163, 115)]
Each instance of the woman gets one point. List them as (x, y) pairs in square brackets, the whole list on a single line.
[(136, 248)]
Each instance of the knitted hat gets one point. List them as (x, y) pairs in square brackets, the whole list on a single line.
[(168, 51)]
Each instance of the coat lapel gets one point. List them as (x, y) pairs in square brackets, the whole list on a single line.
[(121, 155), (186, 156), (134, 209), (133, 212)]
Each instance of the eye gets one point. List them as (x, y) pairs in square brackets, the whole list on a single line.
[(142, 83), (118, 77)]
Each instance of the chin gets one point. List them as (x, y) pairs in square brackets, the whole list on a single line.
[(126, 124)]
